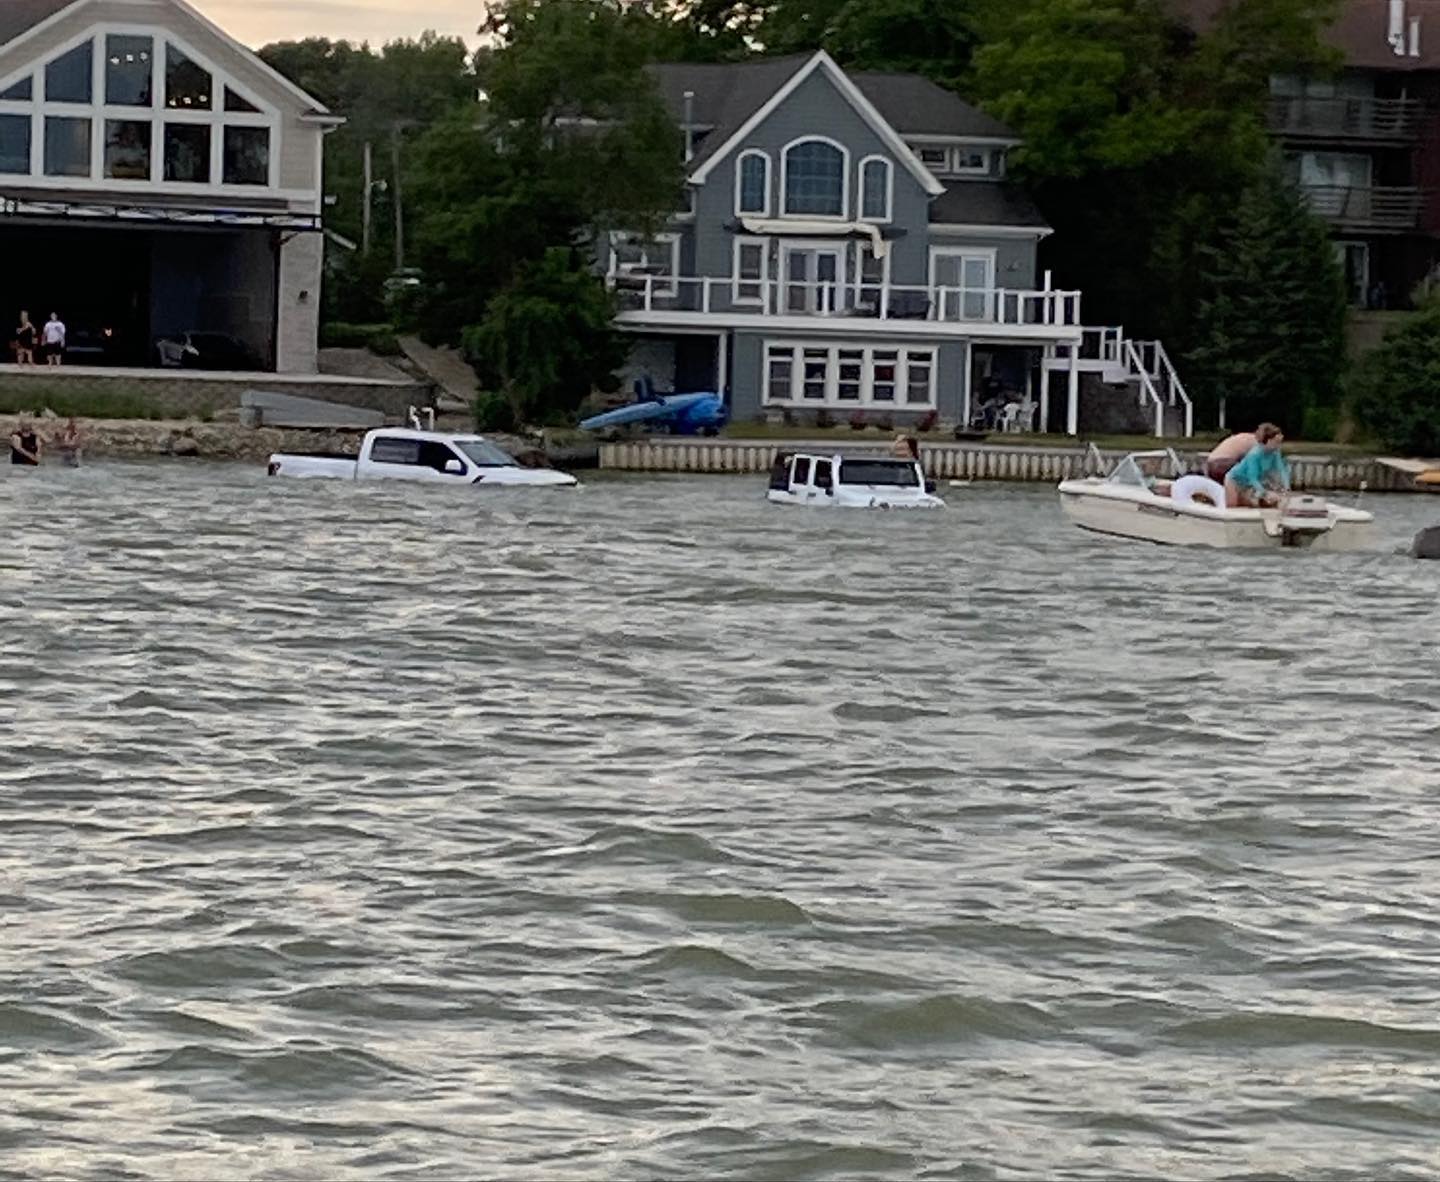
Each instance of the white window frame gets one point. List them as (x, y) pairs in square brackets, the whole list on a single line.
[(858, 282), (668, 238), (957, 169), (99, 113), (832, 401), (889, 190), (788, 246), (783, 192), (764, 210), (760, 301), (943, 167), (990, 255)]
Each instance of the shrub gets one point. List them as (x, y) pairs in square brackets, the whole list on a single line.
[(857, 421), (1321, 424), (885, 423), (824, 418), (494, 412), (1396, 391), (929, 422), (378, 338)]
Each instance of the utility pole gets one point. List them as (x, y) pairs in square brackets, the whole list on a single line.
[(365, 208)]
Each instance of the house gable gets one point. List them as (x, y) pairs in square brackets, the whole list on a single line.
[(240, 130), (824, 64)]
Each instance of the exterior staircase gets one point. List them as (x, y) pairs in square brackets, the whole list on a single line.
[(1127, 387)]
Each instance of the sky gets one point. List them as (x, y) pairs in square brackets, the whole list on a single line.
[(256, 22)]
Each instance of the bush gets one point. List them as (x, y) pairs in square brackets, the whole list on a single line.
[(1396, 391), (824, 419), (857, 421), (929, 422), (1321, 424), (378, 338), (494, 412)]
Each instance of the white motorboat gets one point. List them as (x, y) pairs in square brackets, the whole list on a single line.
[(853, 482), (1190, 511)]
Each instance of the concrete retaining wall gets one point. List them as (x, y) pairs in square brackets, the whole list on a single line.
[(952, 461), (187, 394)]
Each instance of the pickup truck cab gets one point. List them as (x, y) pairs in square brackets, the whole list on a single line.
[(431, 457)]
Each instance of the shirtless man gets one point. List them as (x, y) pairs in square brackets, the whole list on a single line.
[(1227, 453)]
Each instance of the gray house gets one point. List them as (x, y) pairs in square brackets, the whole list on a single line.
[(852, 249)]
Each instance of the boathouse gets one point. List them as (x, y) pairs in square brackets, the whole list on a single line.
[(156, 178)]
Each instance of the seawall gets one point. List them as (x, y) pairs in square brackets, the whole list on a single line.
[(957, 461)]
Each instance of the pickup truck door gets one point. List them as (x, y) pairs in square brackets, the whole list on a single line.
[(424, 460)]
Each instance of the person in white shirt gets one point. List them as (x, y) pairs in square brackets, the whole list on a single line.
[(53, 336)]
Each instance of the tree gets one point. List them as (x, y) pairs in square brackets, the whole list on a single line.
[(1272, 317), (548, 338), (1396, 394), (513, 196)]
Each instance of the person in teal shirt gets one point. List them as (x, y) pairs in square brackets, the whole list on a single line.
[(1263, 476)]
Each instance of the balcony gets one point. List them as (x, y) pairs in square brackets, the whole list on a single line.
[(1379, 120), (1378, 209), (656, 299)]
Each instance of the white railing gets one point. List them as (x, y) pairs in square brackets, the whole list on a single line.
[(879, 301), (1136, 367)]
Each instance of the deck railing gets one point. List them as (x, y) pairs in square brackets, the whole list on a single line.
[(645, 293), (1377, 207), (1346, 118)]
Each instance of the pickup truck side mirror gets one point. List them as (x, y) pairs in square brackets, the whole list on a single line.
[(454, 468), (930, 487)]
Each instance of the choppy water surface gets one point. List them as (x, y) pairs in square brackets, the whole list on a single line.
[(650, 831)]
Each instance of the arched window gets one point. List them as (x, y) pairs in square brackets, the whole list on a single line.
[(752, 183), (815, 179), (875, 189)]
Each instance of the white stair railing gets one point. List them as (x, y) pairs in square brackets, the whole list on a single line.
[(1136, 365), (1174, 387)]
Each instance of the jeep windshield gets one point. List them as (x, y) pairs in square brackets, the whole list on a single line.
[(892, 473)]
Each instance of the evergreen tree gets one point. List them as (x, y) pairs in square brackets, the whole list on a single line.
[(1272, 317), (1397, 387)]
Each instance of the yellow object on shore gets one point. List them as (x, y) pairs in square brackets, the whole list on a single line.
[(1430, 477)]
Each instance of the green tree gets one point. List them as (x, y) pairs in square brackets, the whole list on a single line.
[(548, 338), (571, 141), (1272, 316), (1396, 389)]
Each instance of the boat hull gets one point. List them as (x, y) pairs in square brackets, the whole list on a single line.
[(1142, 516)]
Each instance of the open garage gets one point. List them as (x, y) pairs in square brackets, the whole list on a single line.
[(127, 285)]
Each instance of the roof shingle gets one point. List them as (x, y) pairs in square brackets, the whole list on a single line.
[(19, 16)]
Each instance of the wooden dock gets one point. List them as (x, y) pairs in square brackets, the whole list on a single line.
[(956, 461)]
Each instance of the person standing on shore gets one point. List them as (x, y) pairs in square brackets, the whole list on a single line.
[(24, 445), (70, 443), (54, 335), (25, 341)]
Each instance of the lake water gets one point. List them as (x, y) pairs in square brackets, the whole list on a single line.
[(649, 831)]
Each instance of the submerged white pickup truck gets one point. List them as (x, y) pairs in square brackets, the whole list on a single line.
[(404, 453)]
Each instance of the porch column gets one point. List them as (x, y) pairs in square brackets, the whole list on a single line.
[(967, 370), (722, 363), (1072, 409), (1046, 353)]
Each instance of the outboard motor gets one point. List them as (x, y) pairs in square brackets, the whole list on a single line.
[(1303, 518)]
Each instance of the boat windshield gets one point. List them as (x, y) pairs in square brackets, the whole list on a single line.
[(1140, 468), (899, 473), (484, 454), (1128, 471)]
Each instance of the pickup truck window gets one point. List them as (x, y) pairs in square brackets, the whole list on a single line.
[(395, 451), (437, 455), (485, 455)]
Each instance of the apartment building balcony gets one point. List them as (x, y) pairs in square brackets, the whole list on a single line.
[(1362, 119), (1374, 209), (827, 306)]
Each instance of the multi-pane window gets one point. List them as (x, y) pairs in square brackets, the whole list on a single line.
[(135, 107), (850, 375), (658, 258), (751, 270), (753, 187), (815, 179)]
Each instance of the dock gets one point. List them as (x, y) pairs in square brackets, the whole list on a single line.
[(1018, 463)]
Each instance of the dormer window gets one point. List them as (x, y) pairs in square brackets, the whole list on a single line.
[(752, 184), (955, 159), (814, 171)]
